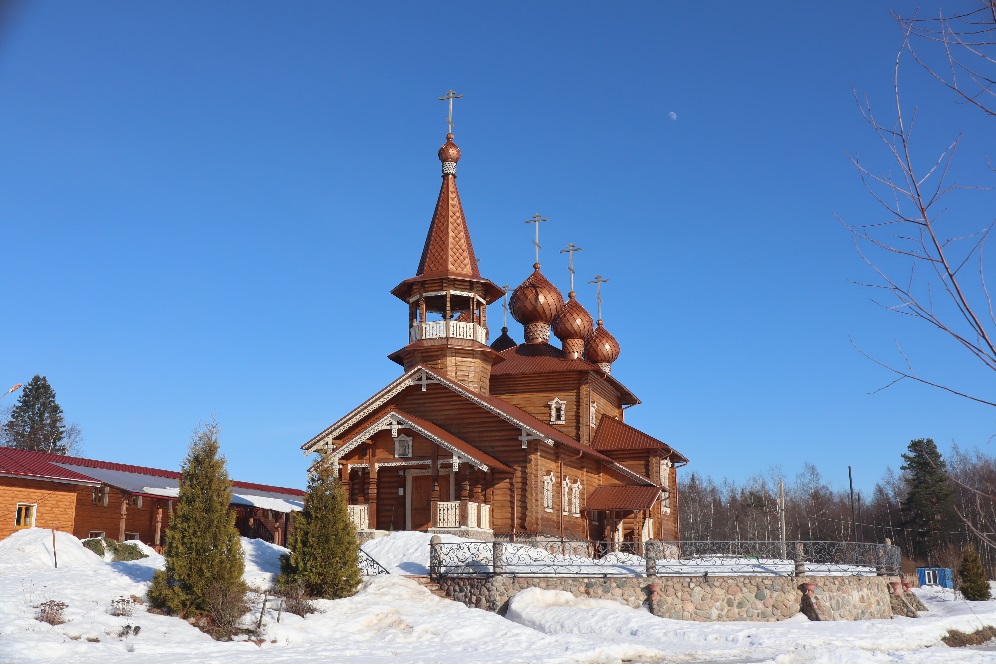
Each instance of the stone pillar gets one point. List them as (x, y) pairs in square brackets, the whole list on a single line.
[(650, 552), (800, 559), (435, 558), (498, 558)]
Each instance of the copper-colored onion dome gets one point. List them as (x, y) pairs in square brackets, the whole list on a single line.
[(503, 341), (534, 304), (601, 347), (449, 151), (572, 320)]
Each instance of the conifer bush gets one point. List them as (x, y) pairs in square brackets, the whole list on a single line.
[(324, 555), (203, 551), (974, 583)]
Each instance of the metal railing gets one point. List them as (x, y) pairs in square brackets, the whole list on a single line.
[(653, 558), (369, 566)]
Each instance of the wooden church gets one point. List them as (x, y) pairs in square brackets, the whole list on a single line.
[(503, 440)]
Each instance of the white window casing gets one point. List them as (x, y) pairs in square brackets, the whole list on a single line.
[(558, 411), (548, 482)]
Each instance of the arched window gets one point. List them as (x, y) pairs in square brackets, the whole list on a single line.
[(548, 482), (565, 488), (576, 498)]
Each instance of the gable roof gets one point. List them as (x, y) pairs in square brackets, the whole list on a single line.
[(133, 479), (532, 427), (624, 498), (535, 358), (614, 435)]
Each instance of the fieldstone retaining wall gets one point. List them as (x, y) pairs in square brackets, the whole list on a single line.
[(702, 598)]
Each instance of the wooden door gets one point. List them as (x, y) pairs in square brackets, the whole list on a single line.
[(421, 499)]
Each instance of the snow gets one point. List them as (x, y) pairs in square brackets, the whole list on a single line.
[(393, 619), (405, 553)]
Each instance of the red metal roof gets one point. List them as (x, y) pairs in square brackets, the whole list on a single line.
[(47, 465), (622, 498), (614, 435), (542, 358)]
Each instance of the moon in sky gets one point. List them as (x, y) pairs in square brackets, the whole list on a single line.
[(672, 115)]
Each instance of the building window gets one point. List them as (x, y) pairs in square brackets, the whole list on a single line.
[(132, 536), (576, 498), (94, 534), (565, 488), (25, 516), (594, 409), (402, 446), (929, 577), (101, 495), (558, 411), (548, 482)]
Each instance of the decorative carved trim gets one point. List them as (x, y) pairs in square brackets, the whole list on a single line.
[(402, 463), (558, 411), (453, 292)]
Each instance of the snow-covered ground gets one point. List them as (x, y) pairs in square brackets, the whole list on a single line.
[(392, 619)]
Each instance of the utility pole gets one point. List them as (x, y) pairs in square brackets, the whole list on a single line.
[(854, 525)]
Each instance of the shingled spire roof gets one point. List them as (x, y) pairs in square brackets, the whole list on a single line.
[(448, 251)]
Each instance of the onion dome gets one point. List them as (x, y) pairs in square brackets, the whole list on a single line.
[(601, 347), (503, 341), (572, 325), (534, 304), (449, 153)]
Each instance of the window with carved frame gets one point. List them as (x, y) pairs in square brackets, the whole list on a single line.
[(548, 482), (565, 488), (576, 498), (594, 413), (666, 485), (402, 446), (558, 411)]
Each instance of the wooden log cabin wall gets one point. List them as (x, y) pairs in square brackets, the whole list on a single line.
[(503, 439)]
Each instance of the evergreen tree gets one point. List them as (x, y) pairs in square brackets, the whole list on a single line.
[(36, 422), (974, 583), (203, 551), (324, 553), (928, 509)]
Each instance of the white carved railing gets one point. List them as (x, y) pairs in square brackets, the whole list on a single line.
[(360, 515), (458, 329), (485, 521), (448, 514), (472, 514)]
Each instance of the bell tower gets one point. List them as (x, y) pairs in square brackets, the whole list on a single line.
[(447, 298)]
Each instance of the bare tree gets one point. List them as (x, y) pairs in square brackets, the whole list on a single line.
[(928, 261)]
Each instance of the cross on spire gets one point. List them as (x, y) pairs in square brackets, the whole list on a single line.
[(450, 96), (536, 219), (599, 280), (570, 250), (504, 305)]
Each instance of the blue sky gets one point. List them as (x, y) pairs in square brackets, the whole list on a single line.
[(203, 207)]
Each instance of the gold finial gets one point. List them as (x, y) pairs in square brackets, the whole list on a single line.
[(450, 96), (598, 281), (504, 305), (536, 219), (570, 250)]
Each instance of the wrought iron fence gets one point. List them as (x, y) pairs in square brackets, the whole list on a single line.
[(369, 566), (538, 557)]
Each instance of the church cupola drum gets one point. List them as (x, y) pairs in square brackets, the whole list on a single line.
[(447, 298)]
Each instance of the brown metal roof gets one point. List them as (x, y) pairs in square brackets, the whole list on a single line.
[(622, 498), (538, 358), (448, 251), (614, 435), (453, 441)]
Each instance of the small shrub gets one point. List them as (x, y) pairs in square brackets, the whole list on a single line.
[(125, 552), (96, 545), (51, 612), (226, 604), (122, 607), (974, 583), (295, 596)]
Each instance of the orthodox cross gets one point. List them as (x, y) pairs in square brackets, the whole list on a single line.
[(450, 96), (571, 249), (504, 305), (536, 219), (598, 281)]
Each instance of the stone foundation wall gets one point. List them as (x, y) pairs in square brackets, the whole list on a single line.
[(752, 598)]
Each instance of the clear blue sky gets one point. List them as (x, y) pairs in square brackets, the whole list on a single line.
[(203, 207)]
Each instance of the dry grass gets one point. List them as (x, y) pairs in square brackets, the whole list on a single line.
[(957, 638)]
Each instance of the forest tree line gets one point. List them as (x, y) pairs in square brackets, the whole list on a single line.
[(931, 509)]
